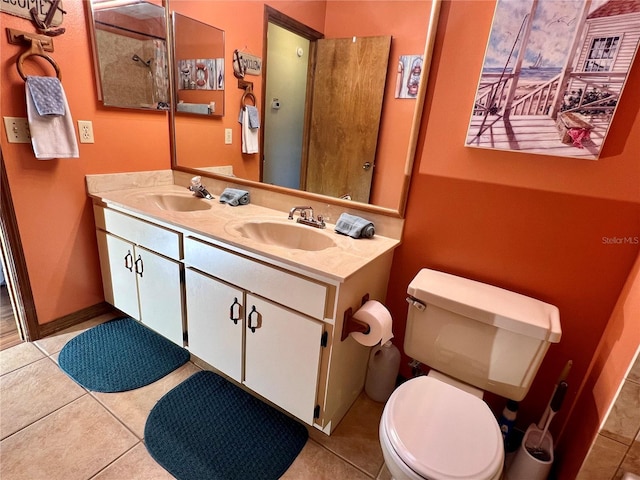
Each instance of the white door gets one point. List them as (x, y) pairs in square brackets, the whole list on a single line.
[(160, 294), (118, 274), (215, 321), (282, 356)]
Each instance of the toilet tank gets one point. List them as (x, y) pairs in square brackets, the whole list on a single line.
[(479, 334)]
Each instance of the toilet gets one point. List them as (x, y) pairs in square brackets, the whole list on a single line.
[(475, 338)]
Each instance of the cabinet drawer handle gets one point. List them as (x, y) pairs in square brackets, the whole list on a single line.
[(237, 317), (128, 261), (257, 325), (139, 266)]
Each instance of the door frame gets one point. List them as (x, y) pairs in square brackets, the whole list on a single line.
[(271, 15), (15, 263)]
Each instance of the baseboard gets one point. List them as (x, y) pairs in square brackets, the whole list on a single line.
[(75, 318)]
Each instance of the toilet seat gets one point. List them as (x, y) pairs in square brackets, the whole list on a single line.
[(443, 433)]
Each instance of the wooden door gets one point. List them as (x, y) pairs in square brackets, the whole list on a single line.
[(348, 90)]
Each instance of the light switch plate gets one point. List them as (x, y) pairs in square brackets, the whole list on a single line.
[(228, 136), (17, 129)]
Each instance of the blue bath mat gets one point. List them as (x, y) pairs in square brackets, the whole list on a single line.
[(120, 355), (206, 428)]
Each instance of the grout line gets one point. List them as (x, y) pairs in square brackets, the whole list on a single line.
[(346, 460), (115, 459), (43, 417)]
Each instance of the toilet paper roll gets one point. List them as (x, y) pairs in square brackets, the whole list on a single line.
[(378, 318)]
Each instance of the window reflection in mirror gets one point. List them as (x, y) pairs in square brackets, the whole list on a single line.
[(199, 67), (130, 53)]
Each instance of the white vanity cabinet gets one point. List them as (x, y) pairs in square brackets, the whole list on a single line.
[(272, 349), (139, 275), (269, 319)]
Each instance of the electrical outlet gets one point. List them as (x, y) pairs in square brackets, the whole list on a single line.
[(228, 136), (17, 129), (85, 128)]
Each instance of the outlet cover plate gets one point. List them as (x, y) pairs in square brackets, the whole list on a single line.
[(85, 129)]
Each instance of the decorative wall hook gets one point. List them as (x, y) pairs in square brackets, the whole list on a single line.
[(44, 26)]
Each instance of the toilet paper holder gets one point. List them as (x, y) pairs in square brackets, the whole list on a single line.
[(350, 324)]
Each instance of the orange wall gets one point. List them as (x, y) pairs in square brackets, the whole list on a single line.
[(54, 216), (528, 223), (608, 369)]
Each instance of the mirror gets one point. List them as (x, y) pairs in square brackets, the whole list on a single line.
[(203, 147), (198, 58), (130, 53)]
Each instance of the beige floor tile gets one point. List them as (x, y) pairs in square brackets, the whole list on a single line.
[(54, 343), (135, 464), (73, 443), (623, 421), (384, 474), (631, 462), (133, 407), (603, 460), (32, 392), (15, 357), (634, 372), (317, 463), (356, 437)]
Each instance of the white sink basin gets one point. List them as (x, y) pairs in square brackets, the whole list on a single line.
[(179, 203), (287, 235)]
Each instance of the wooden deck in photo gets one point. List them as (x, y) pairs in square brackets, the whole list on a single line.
[(534, 134)]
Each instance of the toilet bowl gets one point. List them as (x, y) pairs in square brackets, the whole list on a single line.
[(433, 430), (475, 337)]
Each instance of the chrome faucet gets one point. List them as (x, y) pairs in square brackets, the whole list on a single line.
[(306, 217), (198, 189)]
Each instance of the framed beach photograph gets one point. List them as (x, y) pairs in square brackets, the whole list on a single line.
[(553, 74)]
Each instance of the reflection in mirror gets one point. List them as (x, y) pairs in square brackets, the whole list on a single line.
[(205, 147), (130, 53), (198, 53)]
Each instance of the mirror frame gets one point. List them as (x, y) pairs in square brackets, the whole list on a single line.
[(96, 61), (365, 207)]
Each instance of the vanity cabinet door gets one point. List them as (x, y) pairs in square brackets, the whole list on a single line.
[(215, 321), (160, 293), (282, 356), (118, 273)]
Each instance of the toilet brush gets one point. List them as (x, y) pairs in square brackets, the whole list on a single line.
[(556, 402), (563, 376)]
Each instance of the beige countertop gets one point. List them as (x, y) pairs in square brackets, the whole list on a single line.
[(219, 225)]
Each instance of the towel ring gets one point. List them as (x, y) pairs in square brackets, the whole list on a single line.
[(37, 51), (247, 94)]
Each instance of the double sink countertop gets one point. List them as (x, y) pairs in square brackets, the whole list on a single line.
[(222, 225)]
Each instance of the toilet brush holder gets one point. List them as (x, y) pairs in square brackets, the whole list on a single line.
[(534, 458)]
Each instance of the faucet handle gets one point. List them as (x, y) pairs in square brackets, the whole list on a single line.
[(196, 181)]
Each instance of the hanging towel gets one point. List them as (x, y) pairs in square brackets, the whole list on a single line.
[(52, 135), (47, 95), (254, 117), (249, 135), (356, 227), (234, 197)]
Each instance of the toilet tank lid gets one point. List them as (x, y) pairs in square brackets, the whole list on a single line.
[(487, 303)]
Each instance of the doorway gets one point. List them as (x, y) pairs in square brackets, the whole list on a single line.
[(18, 305), (321, 108)]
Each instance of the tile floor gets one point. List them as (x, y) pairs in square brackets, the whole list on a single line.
[(51, 428)]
